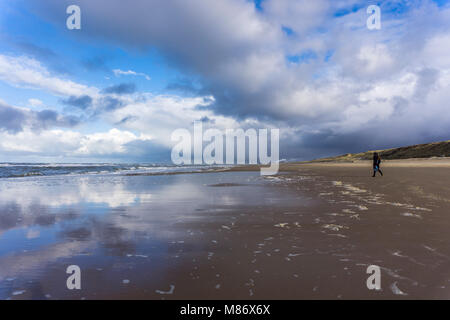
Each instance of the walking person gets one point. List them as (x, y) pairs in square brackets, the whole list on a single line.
[(376, 164)]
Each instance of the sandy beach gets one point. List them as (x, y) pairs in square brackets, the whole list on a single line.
[(308, 233)]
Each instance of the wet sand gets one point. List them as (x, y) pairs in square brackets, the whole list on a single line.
[(308, 233)]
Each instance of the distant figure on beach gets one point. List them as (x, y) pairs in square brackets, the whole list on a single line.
[(376, 164)]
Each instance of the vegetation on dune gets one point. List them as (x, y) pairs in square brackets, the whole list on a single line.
[(427, 150)]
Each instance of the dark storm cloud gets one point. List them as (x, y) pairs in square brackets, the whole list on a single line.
[(82, 102), (327, 143), (191, 39), (122, 88)]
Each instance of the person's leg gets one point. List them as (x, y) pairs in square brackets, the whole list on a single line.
[(374, 172), (380, 172)]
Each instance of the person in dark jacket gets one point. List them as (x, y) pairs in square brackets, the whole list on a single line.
[(376, 164)]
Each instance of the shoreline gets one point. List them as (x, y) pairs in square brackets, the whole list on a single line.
[(442, 162)]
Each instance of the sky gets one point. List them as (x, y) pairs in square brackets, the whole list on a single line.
[(116, 89)]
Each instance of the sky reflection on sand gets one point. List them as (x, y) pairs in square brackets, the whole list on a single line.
[(49, 223)]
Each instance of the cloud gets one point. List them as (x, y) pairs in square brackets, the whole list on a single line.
[(82, 102), (160, 115), (14, 120), (206, 119), (143, 128), (35, 102), (23, 71), (118, 72), (27, 72), (126, 119), (122, 88), (50, 118), (54, 61), (109, 142), (111, 104), (300, 16), (53, 143), (184, 86), (11, 119)]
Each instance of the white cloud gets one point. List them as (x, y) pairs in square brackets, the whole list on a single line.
[(300, 15), (53, 143), (118, 72), (27, 72), (35, 102), (158, 116), (105, 143), (47, 142)]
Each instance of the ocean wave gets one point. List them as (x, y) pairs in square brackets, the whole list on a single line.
[(21, 170)]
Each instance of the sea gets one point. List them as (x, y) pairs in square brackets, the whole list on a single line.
[(18, 170)]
